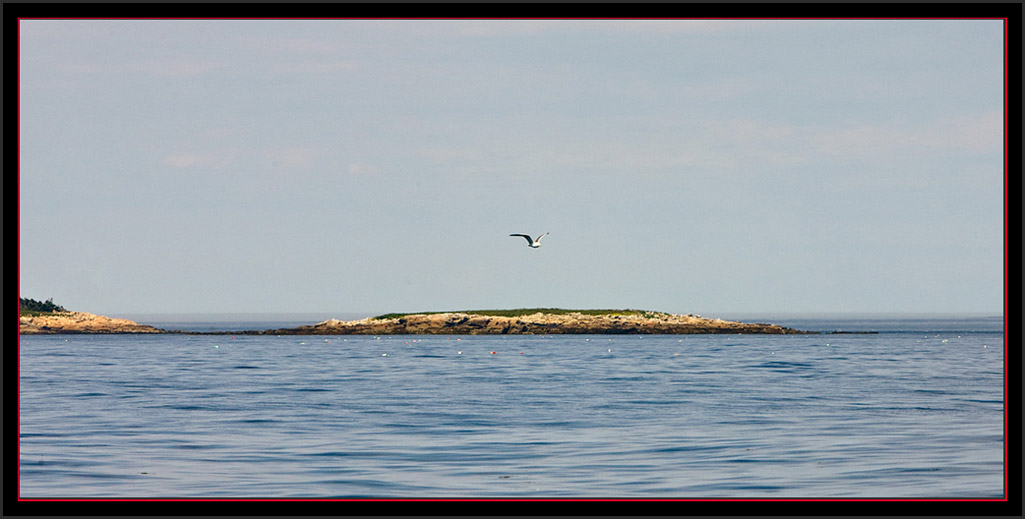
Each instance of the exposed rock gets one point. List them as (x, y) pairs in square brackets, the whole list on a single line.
[(79, 322), (535, 324)]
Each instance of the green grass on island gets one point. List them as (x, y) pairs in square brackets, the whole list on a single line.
[(519, 312)]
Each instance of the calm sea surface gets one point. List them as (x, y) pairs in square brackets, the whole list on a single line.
[(913, 411)]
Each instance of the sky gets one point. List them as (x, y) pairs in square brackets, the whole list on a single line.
[(371, 166)]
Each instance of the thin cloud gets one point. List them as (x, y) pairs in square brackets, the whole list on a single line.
[(290, 157), (363, 169), (198, 160), (175, 68), (165, 68), (528, 27), (314, 67), (981, 133), (293, 45)]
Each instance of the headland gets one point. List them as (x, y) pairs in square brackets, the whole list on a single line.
[(79, 322)]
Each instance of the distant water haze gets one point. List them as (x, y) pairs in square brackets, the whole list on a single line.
[(247, 316), (198, 322)]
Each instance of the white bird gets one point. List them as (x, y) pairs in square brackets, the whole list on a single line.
[(533, 243)]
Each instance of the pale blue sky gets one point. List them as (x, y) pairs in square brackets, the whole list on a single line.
[(705, 167)]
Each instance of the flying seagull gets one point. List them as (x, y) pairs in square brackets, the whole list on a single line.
[(533, 243)]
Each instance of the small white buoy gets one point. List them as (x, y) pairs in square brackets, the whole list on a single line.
[(384, 354)]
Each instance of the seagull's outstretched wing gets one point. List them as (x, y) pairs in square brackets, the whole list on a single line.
[(525, 236), (542, 236)]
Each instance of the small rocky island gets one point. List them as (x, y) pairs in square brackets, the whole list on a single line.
[(536, 321), (531, 322)]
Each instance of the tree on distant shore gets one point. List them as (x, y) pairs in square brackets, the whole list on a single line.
[(26, 305)]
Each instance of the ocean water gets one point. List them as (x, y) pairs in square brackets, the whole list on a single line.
[(915, 411)]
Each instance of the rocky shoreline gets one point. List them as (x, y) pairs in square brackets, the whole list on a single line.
[(79, 322), (451, 323)]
